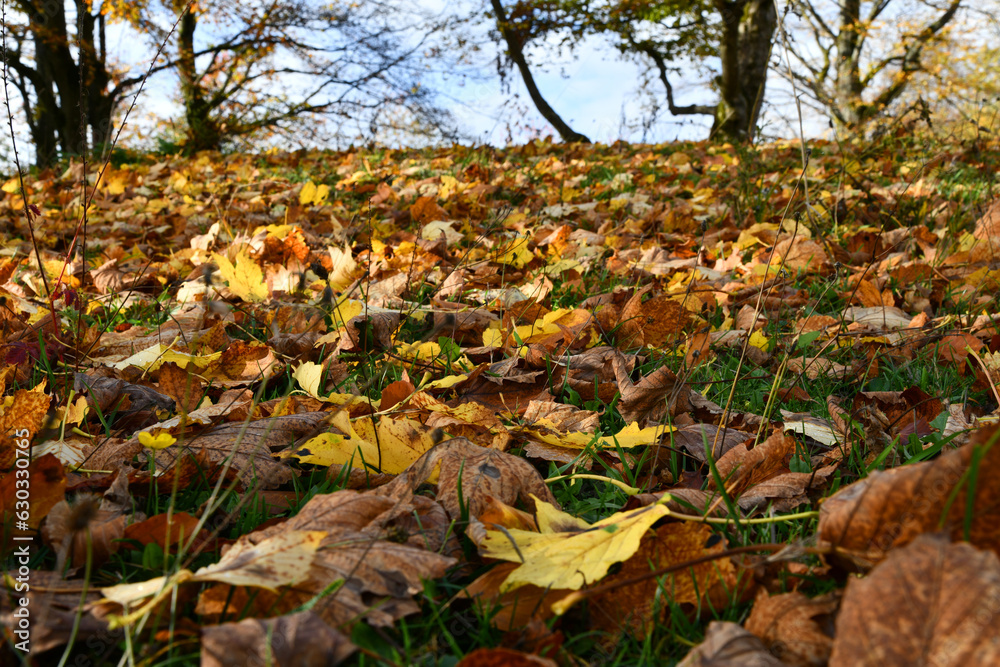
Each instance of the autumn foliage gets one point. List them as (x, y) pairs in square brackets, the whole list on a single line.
[(539, 405)]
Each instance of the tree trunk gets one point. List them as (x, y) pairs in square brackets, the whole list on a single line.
[(847, 92), (515, 48), (202, 131), (95, 79), (745, 48), (66, 80), (45, 122)]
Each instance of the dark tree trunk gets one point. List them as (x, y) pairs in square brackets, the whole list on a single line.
[(515, 48), (849, 87), (95, 79), (44, 122), (745, 48), (202, 130), (64, 85)]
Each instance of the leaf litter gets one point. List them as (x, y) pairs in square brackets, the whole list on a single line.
[(547, 392)]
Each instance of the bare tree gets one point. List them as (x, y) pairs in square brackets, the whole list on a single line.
[(279, 66), (57, 58), (516, 32), (247, 68), (839, 63)]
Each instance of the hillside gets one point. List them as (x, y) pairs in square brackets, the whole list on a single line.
[(623, 404)]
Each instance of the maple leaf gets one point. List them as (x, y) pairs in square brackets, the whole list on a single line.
[(245, 278)]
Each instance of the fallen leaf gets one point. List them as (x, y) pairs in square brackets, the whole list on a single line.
[(797, 629), (890, 508), (929, 603), (729, 644), (635, 607), (302, 639), (569, 553)]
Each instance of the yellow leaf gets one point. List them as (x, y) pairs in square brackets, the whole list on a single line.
[(11, 186), (568, 553), (544, 430), (308, 375), (282, 560), (758, 340), (160, 441), (516, 253), (344, 267), (116, 185), (493, 338), (313, 194), (307, 193), (322, 192), (390, 445), (153, 357), (633, 436), (76, 412), (445, 382), (245, 279), (449, 184)]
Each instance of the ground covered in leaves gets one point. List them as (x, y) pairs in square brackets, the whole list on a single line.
[(543, 405)]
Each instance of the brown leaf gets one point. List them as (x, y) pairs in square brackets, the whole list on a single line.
[(816, 367), (163, 529), (742, 467), (657, 322), (243, 363), (182, 385), (106, 394), (652, 398), (929, 603), (795, 628), (426, 209), (692, 438), (631, 607), (395, 392), (891, 508), (484, 473), (867, 294), (54, 611), (250, 444), (729, 645), (380, 576), (785, 491), (503, 657), (564, 417), (593, 368), (515, 608), (368, 331), (300, 639), (502, 387), (47, 481), (988, 225), (19, 424), (99, 521), (800, 253)]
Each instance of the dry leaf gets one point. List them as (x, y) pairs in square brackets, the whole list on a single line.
[(929, 603), (300, 639), (795, 628), (729, 645), (891, 508)]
